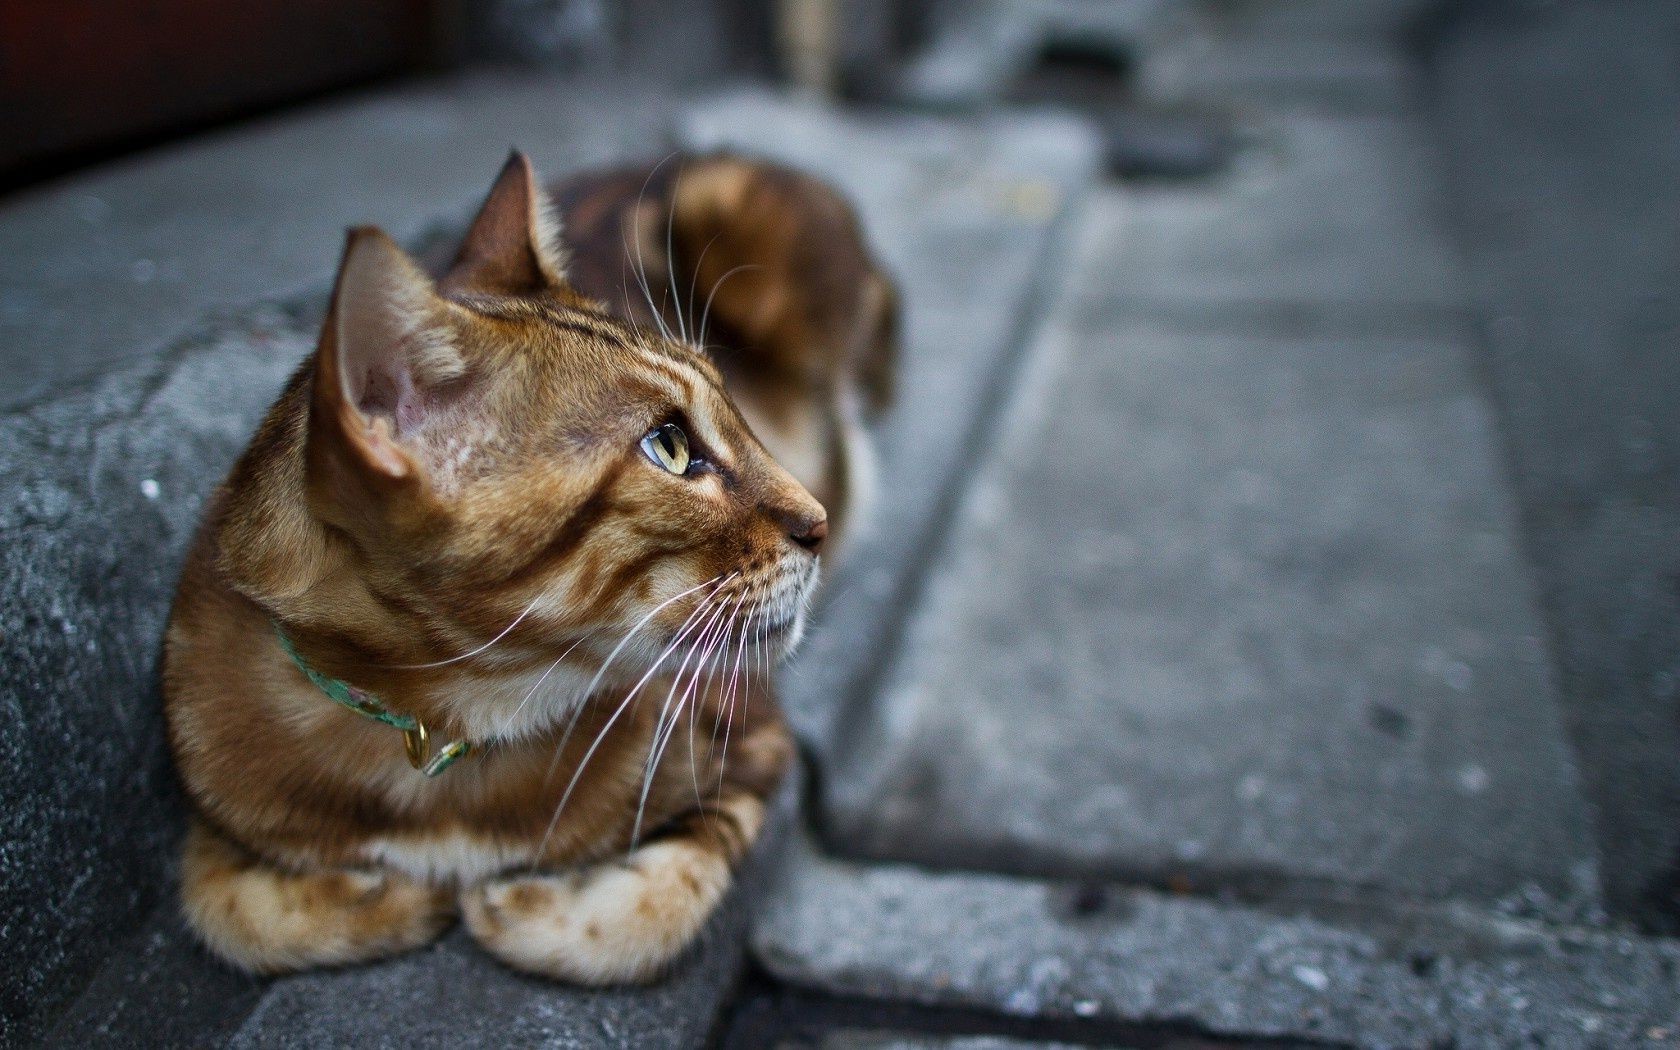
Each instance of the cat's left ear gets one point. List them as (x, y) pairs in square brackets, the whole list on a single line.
[(513, 247), (387, 357)]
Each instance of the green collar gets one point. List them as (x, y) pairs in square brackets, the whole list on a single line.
[(415, 738)]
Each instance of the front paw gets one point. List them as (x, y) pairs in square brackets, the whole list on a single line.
[(615, 922), (271, 920)]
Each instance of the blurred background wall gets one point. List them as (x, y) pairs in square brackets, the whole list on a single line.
[(84, 80)]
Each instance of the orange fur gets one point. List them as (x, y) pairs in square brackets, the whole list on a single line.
[(450, 507)]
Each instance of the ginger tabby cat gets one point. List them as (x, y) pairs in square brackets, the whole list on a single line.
[(516, 524)]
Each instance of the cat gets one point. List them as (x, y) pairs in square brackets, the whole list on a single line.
[(479, 625)]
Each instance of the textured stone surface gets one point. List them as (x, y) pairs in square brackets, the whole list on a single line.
[(962, 215), (1377, 20), (157, 988), (1410, 977), (1345, 75), (109, 266), (1560, 126), (101, 494), (452, 995), (1244, 605), (976, 51)]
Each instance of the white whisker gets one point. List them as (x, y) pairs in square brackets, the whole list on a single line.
[(671, 256), (589, 690), (601, 736), (694, 288), (475, 652), (661, 734), (641, 266), (706, 314)]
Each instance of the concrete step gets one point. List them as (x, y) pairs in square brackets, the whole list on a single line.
[(1321, 215), (1250, 480), (1326, 56), (1243, 608), (1092, 957)]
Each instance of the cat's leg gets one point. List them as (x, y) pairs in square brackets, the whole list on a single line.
[(623, 920), (269, 920)]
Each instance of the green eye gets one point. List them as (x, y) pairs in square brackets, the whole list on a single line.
[(668, 447)]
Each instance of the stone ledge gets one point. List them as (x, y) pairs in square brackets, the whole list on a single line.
[(1104, 954)]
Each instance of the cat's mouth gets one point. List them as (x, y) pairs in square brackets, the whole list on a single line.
[(775, 625)]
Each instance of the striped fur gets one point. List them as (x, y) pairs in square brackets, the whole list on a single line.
[(449, 507)]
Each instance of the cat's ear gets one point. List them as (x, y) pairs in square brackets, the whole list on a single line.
[(513, 247), (386, 353)]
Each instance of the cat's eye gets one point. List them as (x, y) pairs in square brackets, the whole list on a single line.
[(668, 446)]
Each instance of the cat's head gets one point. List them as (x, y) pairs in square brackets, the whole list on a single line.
[(491, 449)]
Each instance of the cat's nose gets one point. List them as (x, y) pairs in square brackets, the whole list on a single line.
[(805, 523), (811, 535)]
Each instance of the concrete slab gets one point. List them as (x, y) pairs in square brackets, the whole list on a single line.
[(156, 988), (1244, 608), (1335, 211), (112, 265), (963, 214), (1101, 955)]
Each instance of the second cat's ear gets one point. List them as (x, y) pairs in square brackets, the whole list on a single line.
[(513, 247), (387, 357)]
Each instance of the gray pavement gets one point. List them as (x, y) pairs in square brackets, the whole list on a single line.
[(1238, 604), (866, 1040), (1323, 212)]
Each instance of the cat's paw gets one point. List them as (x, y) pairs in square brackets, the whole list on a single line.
[(615, 922), (268, 920)]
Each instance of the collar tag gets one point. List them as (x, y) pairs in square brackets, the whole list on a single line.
[(416, 740)]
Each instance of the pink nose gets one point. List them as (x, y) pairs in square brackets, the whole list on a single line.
[(811, 536)]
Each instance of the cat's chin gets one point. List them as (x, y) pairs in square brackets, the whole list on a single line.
[(778, 639)]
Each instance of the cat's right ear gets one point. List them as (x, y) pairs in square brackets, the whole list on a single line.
[(513, 246), (387, 355)]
